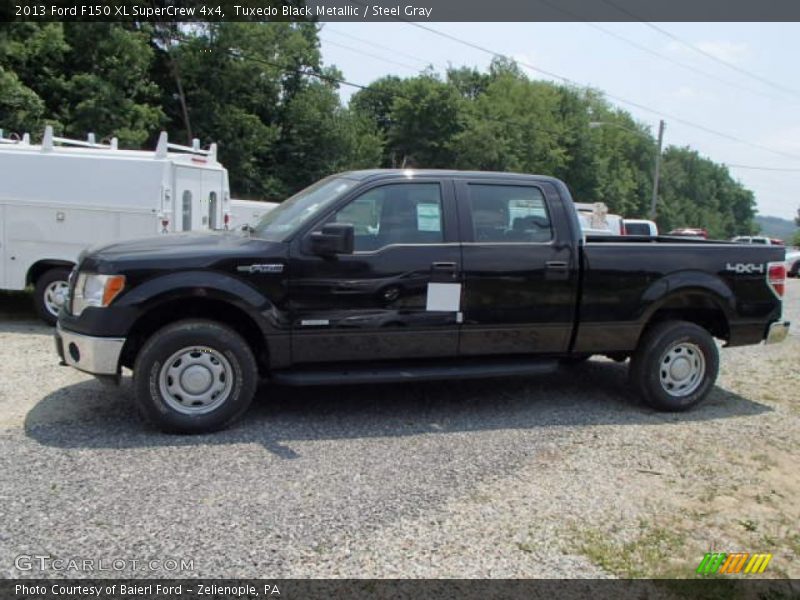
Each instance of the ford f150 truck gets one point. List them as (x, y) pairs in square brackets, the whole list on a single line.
[(392, 275)]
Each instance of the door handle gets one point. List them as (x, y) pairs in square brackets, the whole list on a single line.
[(445, 269), (556, 265)]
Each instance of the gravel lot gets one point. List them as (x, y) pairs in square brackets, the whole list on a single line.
[(550, 477)]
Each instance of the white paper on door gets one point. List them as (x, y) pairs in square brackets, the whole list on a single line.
[(444, 297)]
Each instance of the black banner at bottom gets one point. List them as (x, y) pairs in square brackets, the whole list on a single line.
[(395, 589)]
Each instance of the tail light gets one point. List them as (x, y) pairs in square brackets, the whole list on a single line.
[(776, 278), (164, 225), (623, 231), (226, 219)]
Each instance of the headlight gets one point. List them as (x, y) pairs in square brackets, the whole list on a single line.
[(95, 290)]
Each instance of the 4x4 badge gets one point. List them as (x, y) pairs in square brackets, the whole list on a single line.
[(272, 268)]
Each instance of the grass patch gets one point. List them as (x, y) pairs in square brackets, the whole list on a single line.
[(648, 555)]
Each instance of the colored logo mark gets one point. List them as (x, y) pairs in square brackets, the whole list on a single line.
[(738, 562)]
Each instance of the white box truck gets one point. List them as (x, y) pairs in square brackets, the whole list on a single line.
[(62, 195), (248, 212)]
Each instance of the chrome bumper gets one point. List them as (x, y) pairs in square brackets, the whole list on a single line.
[(95, 355), (777, 332)]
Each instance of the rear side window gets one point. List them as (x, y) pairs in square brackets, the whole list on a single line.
[(509, 213), (637, 229), (212, 210), (187, 211)]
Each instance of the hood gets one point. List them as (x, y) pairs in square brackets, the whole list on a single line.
[(176, 251)]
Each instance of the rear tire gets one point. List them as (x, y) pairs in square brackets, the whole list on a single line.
[(194, 376), (675, 366), (50, 293)]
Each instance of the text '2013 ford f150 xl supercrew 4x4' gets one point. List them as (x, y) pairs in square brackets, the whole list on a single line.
[(390, 275)]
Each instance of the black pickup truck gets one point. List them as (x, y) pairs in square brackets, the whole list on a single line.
[(392, 275)]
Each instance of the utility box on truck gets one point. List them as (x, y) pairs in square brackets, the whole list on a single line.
[(60, 196)]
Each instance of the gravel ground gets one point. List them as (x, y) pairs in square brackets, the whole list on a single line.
[(550, 477)]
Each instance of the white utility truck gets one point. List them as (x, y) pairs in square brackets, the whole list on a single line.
[(60, 196), (248, 212)]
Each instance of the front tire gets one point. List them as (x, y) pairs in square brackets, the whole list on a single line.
[(50, 293), (675, 366), (194, 376)]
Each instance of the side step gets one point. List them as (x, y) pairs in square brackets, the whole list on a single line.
[(414, 371)]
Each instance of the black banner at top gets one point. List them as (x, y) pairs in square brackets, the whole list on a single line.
[(399, 10)]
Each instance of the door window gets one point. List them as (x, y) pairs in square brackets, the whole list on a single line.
[(509, 213), (404, 213), (187, 210), (212, 210)]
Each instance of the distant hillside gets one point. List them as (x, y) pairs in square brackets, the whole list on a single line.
[(776, 227)]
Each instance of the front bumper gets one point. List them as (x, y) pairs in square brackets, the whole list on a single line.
[(777, 332), (95, 355)]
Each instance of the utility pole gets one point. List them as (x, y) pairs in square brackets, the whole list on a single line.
[(657, 170)]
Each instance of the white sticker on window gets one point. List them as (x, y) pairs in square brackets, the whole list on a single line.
[(429, 217), (444, 296)]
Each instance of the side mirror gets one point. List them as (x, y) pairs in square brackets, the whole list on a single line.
[(333, 238)]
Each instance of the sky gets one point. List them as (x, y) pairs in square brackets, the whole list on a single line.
[(750, 93)]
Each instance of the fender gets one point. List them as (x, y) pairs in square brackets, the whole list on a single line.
[(204, 284), (273, 325), (678, 283)]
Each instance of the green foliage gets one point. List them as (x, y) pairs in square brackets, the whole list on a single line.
[(261, 91), (696, 192)]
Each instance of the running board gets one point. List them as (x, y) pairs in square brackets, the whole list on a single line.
[(393, 373)]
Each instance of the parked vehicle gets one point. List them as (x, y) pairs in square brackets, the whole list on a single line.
[(388, 275), (596, 220), (58, 197), (690, 232), (248, 212), (754, 239), (640, 227), (793, 263)]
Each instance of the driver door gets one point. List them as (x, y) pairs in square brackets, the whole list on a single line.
[(375, 303)]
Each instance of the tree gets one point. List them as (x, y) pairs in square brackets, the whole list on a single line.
[(81, 78)]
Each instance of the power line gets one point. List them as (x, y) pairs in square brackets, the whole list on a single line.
[(721, 61), (652, 52), (695, 48), (679, 63), (620, 99), (327, 29), (375, 56), (760, 168)]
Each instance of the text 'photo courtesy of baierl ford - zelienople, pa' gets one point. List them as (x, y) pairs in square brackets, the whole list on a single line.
[(369, 299)]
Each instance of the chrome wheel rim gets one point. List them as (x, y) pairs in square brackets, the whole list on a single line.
[(682, 369), (195, 380), (55, 295)]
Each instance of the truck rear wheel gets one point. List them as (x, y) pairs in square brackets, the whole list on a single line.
[(50, 293), (675, 366), (194, 376)]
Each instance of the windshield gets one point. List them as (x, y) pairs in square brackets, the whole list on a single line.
[(283, 220)]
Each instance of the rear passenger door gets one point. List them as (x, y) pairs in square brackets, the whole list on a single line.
[(520, 268)]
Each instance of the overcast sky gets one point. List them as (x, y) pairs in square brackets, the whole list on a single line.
[(758, 101)]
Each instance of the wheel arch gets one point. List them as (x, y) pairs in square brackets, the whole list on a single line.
[(42, 266), (696, 297), (200, 304)]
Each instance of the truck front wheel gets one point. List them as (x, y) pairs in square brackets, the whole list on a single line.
[(194, 376), (675, 366)]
